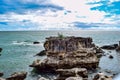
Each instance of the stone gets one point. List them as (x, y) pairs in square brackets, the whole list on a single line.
[(1, 49), (1, 74), (110, 47), (74, 78), (74, 72), (17, 76), (42, 53), (102, 76), (110, 56), (36, 42)]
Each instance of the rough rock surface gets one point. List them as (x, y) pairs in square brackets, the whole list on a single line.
[(17, 76), (102, 76), (41, 53), (74, 72)]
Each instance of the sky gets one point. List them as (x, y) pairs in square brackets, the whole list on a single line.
[(17, 15)]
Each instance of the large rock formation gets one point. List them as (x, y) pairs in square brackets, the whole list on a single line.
[(67, 53)]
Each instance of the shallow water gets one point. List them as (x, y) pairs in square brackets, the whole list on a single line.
[(19, 50)]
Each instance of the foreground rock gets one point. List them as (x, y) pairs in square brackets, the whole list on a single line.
[(17, 76), (102, 76), (1, 74), (74, 72), (110, 47)]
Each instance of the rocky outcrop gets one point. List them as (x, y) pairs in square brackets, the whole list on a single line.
[(67, 53), (74, 72), (110, 47), (102, 76), (17, 76)]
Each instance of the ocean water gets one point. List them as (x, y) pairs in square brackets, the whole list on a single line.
[(19, 50)]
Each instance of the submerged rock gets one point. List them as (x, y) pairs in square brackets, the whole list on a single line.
[(17, 76), (36, 42), (110, 47), (1, 49), (110, 56), (102, 76)]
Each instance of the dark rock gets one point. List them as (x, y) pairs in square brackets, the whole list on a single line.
[(1, 74), (110, 47), (1, 49), (102, 76), (111, 57), (17, 76), (36, 42), (42, 53), (118, 48)]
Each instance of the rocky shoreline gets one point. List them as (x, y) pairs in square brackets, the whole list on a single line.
[(71, 58)]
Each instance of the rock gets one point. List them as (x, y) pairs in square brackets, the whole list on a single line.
[(118, 48), (110, 47), (1, 74), (17, 76), (42, 53), (36, 63), (1, 49), (74, 78), (110, 56), (36, 42), (74, 72), (42, 78), (102, 76), (2, 78)]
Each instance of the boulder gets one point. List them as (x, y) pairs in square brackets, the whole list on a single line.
[(17, 76), (42, 53), (1, 74), (74, 78), (110, 56), (1, 49), (110, 47), (36, 42), (102, 76)]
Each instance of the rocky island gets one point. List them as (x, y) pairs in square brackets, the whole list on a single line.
[(69, 57)]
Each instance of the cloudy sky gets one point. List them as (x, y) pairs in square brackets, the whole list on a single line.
[(59, 15)]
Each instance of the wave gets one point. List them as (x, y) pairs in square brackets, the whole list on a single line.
[(26, 43)]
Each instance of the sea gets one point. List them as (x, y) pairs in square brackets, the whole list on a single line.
[(19, 51)]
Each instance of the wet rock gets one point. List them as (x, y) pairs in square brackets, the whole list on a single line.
[(1, 49), (110, 56), (2, 78), (17, 76), (74, 72), (42, 78), (42, 53), (74, 78), (35, 63), (102, 76), (1, 74), (36, 42), (110, 47)]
